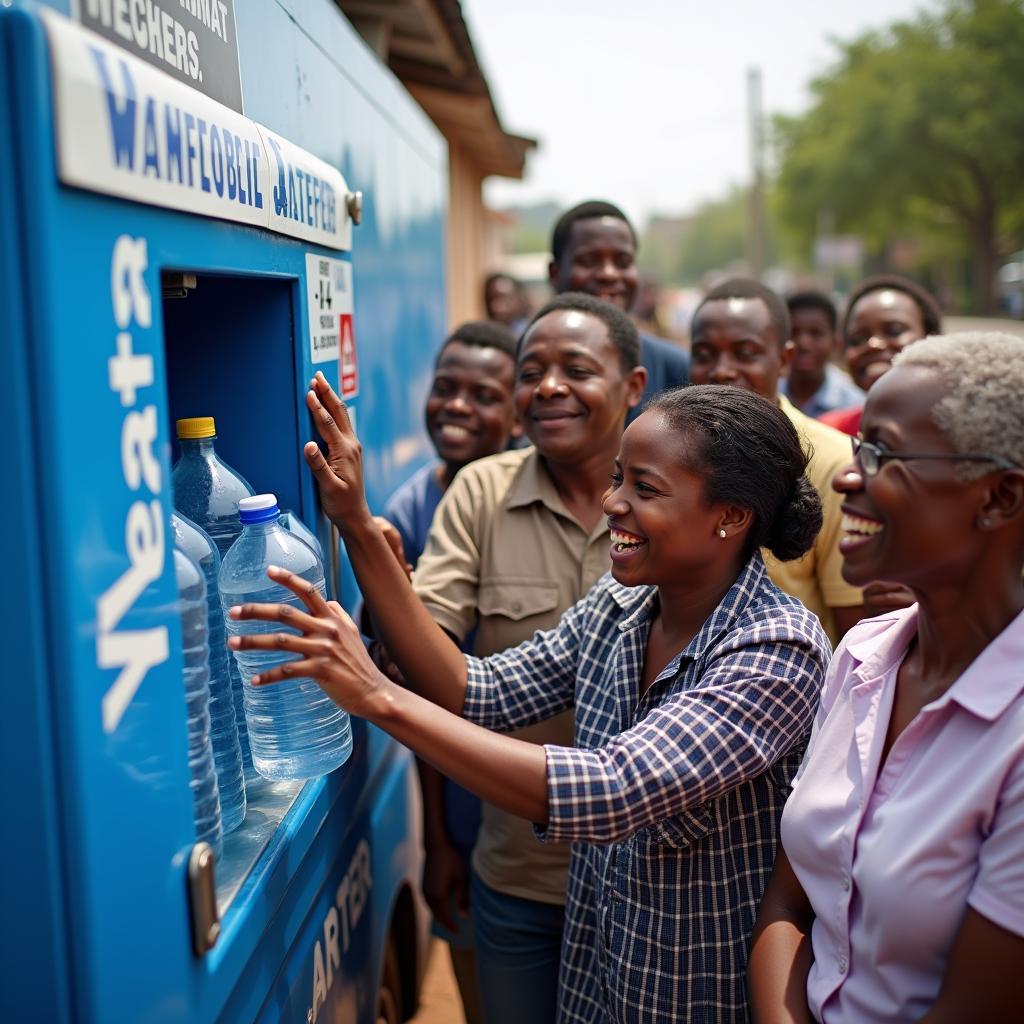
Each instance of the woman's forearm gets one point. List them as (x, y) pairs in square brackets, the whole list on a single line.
[(428, 659), (780, 960), (780, 953), (424, 653), (509, 773)]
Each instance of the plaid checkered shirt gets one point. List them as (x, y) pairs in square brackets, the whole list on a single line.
[(672, 798)]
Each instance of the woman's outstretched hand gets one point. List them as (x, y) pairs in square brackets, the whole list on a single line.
[(339, 475), (330, 649)]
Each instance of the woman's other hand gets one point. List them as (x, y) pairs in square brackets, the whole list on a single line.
[(339, 474), (329, 647), (394, 539)]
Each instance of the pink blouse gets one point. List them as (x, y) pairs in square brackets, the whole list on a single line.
[(891, 855)]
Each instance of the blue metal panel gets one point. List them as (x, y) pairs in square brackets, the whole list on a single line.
[(32, 891), (331, 96), (104, 854)]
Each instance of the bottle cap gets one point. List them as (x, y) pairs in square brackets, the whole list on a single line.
[(258, 508), (195, 427)]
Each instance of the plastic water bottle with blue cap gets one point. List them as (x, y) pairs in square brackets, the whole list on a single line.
[(207, 490), (293, 524), (227, 754), (196, 659), (295, 730)]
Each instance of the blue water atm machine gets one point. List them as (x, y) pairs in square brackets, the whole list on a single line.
[(179, 240)]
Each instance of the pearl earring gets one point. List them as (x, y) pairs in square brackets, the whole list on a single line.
[(721, 533)]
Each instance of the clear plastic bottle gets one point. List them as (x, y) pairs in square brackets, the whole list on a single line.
[(293, 524), (296, 730), (227, 754), (207, 491), (196, 657)]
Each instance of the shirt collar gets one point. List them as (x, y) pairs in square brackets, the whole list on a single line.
[(533, 484), (879, 643), (987, 687), (787, 406), (638, 604), (994, 679)]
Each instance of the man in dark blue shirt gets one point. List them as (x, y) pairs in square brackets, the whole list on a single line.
[(593, 250)]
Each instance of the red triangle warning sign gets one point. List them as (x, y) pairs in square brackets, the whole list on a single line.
[(348, 359)]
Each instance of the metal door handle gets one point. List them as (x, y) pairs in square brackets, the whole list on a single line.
[(202, 897)]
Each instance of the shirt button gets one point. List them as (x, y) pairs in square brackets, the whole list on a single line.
[(846, 885), (517, 606), (842, 964)]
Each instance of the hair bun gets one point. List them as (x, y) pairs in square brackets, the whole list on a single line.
[(797, 524)]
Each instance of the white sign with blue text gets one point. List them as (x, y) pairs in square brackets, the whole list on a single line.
[(329, 301), (307, 191), (125, 128)]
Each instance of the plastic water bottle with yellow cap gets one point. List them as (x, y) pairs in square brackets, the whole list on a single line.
[(207, 491), (295, 729), (227, 754), (196, 659)]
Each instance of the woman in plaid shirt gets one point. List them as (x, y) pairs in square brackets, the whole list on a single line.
[(694, 681)]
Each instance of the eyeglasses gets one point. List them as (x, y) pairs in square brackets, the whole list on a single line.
[(870, 457)]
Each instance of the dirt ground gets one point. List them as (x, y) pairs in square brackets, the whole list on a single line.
[(439, 999)]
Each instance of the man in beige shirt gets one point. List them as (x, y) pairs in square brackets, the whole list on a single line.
[(739, 336), (517, 539)]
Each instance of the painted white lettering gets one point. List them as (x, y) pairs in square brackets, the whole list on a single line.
[(99, 9), (193, 55), (135, 652), (144, 541), (180, 46), (341, 900), (319, 982), (167, 24), (360, 874), (348, 909), (128, 285), (137, 459), (156, 45), (121, 23), (137, 16), (333, 956), (127, 371)]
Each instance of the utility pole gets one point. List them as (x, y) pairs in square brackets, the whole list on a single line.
[(756, 227)]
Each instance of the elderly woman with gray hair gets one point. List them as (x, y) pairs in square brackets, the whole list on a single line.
[(898, 893)]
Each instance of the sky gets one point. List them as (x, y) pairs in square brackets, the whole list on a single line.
[(644, 102)]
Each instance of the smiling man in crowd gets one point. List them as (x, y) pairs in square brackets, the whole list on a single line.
[(740, 336), (593, 250)]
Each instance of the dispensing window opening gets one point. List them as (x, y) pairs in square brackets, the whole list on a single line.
[(229, 348)]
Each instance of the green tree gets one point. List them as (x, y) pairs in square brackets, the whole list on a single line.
[(919, 128)]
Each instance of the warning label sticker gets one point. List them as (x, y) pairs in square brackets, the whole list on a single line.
[(329, 300), (349, 368)]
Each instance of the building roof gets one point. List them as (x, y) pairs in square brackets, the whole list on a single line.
[(427, 45)]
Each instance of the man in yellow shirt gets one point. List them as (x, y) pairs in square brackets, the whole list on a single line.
[(740, 336)]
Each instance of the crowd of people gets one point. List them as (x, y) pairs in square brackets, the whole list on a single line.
[(652, 792)]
